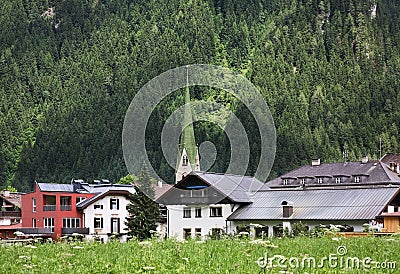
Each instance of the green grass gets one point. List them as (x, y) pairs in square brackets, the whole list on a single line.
[(213, 256)]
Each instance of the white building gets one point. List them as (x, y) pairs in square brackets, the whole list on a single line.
[(105, 213), (348, 194)]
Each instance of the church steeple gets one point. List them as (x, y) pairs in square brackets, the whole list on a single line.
[(189, 155)]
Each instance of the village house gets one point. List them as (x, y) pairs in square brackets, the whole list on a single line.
[(349, 194), (10, 214), (96, 210)]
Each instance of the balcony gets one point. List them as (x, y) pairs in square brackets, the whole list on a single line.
[(65, 207), (70, 230), (14, 214), (35, 230), (49, 208)]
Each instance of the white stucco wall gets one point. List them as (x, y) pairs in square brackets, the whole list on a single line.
[(106, 213), (177, 223)]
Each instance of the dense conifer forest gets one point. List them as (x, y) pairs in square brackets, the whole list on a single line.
[(328, 69)]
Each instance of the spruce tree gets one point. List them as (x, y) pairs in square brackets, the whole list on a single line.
[(143, 210)]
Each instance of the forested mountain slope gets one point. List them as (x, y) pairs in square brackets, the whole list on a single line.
[(329, 70)]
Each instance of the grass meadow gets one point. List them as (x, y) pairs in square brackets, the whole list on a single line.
[(286, 255)]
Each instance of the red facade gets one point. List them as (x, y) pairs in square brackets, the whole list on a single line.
[(52, 209)]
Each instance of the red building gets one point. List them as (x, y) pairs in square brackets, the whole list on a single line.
[(51, 209)]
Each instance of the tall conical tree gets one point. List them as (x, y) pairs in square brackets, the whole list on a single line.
[(143, 210)]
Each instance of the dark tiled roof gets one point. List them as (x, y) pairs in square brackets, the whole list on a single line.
[(318, 204), (14, 198), (372, 172)]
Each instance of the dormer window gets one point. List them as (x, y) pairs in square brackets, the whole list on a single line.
[(338, 180), (357, 179), (185, 160), (320, 180), (285, 181), (302, 181)]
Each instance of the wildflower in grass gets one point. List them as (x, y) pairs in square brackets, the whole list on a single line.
[(78, 247), (200, 242), (335, 239), (149, 268), (145, 243), (24, 257), (272, 246), (186, 259)]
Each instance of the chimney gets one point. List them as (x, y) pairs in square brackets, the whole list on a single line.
[(316, 162), (159, 184), (364, 159), (77, 184), (287, 208)]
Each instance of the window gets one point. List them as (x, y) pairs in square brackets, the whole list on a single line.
[(71, 222), (197, 212), (185, 160), (114, 203), (33, 204), (33, 222), (49, 223), (338, 180), (65, 203), (216, 211), (302, 181), (285, 181), (197, 232), (114, 225), (97, 206), (187, 212), (80, 199), (320, 180), (98, 222), (187, 233), (357, 179), (261, 232)]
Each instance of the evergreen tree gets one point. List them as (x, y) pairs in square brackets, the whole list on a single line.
[(143, 210)]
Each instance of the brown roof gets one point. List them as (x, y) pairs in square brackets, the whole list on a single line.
[(14, 198), (391, 158), (160, 190)]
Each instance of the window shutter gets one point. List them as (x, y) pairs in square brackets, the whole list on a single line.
[(117, 204)]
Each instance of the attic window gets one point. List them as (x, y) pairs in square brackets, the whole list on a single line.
[(357, 179), (302, 181), (285, 182), (338, 180), (320, 180), (185, 160)]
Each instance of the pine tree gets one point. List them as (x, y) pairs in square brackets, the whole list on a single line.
[(143, 210)]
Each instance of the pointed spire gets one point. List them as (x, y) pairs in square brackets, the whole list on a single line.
[(189, 159), (187, 138)]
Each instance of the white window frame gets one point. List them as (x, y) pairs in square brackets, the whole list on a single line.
[(33, 204), (216, 211), (338, 180), (320, 180), (49, 223), (187, 212), (71, 222), (357, 179), (114, 203), (98, 223)]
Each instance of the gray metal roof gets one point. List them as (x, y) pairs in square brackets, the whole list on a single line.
[(233, 186), (318, 204), (55, 187)]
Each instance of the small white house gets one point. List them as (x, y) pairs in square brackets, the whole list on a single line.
[(105, 213)]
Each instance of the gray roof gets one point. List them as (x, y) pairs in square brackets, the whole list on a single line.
[(104, 190), (318, 204), (372, 172), (55, 187), (236, 187)]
